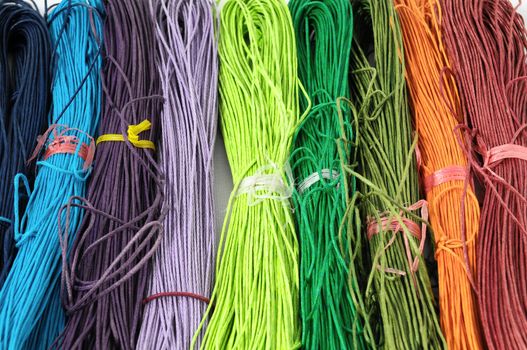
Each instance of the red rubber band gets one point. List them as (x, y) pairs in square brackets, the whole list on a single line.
[(387, 224), (64, 144), (176, 294), (506, 151), (392, 224), (68, 145)]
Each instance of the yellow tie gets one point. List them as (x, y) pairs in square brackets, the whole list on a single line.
[(133, 136)]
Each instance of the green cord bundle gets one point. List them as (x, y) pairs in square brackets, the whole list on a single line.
[(254, 303), (329, 308), (389, 183)]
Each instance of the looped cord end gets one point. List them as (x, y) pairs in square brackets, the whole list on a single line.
[(24, 238), (4, 219)]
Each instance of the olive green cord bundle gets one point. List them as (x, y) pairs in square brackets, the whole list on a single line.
[(255, 303), (329, 309), (399, 284)]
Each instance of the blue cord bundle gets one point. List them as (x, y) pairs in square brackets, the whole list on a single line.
[(25, 53), (29, 299)]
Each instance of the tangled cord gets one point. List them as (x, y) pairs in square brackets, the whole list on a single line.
[(181, 281), (454, 208), (24, 100), (399, 284), (106, 275), (487, 41), (255, 299), (331, 304), (30, 311)]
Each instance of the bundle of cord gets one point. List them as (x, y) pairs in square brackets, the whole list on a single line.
[(181, 282), (487, 42), (24, 95), (106, 276), (399, 284), (454, 208), (255, 296), (30, 312), (330, 300)]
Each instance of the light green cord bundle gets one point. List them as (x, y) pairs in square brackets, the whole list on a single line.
[(255, 300), (389, 183), (330, 309)]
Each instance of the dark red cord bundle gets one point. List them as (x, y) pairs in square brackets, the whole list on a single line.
[(487, 42)]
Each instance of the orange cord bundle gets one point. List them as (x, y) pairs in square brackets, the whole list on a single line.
[(435, 100)]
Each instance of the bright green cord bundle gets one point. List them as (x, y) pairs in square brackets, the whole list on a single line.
[(330, 309), (254, 304), (390, 186)]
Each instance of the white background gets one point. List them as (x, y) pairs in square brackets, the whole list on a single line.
[(223, 181)]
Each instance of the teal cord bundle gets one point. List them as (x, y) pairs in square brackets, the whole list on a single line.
[(331, 305), (30, 312), (399, 284)]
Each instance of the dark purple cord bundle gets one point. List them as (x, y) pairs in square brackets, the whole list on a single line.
[(181, 281), (106, 276), (25, 52)]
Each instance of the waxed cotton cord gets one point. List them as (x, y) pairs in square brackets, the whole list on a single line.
[(254, 304), (399, 287), (454, 208), (487, 43), (331, 304), (30, 311), (181, 281), (25, 78), (106, 275)]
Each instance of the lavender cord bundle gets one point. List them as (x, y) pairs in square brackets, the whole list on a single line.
[(180, 283), (106, 276)]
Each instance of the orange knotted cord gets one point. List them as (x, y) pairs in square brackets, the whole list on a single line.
[(435, 101)]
